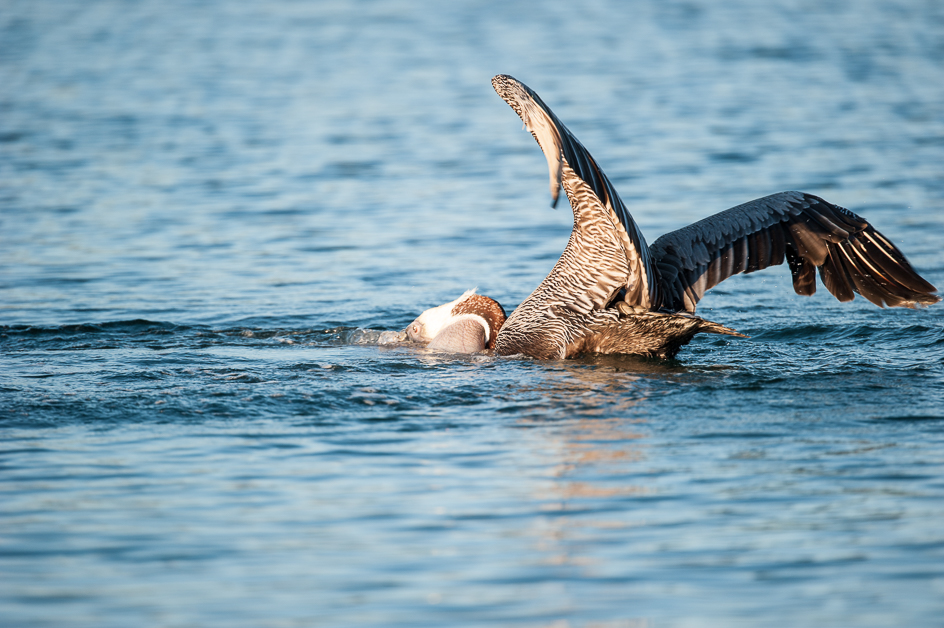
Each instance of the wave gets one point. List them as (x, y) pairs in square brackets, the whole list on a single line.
[(826, 333), (164, 334)]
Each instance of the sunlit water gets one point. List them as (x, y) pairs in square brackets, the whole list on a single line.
[(210, 211)]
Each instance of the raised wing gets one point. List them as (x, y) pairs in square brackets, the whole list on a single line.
[(596, 207), (804, 230)]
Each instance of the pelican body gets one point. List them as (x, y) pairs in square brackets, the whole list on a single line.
[(612, 293)]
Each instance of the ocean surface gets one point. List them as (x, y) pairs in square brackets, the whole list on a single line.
[(210, 212)]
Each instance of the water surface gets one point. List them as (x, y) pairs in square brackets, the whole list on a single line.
[(210, 211)]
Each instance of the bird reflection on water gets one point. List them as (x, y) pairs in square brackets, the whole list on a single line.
[(589, 455)]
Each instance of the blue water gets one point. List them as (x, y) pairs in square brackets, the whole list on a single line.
[(210, 211)]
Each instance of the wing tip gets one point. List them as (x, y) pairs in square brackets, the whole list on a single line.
[(537, 119)]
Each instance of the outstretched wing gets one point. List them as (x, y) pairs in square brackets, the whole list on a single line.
[(595, 203), (804, 230)]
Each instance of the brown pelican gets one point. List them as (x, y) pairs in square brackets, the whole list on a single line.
[(611, 293)]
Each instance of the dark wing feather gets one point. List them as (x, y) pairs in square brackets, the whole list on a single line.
[(805, 230), (562, 149)]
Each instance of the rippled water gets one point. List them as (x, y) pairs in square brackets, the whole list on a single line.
[(210, 211)]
